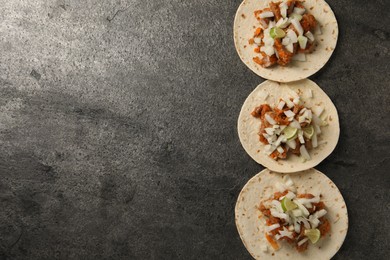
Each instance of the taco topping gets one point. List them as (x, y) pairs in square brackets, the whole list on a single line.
[(294, 217), (289, 127), (285, 33)]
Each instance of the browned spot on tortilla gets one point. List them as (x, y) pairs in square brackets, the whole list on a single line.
[(311, 8), (243, 214), (333, 31), (330, 118), (322, 40), (325, 11), (254, 27), (337, 215), (332, 48), (287, 254), (319, 247), (258, 151), (343, 206), (327, 49), (341, 231), (243, 16), (336, 199), (332, 186), (330, 235), (244, 46), (305, 69), (273, 254), (309, 178)]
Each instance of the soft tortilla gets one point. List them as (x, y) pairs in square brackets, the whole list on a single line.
[(245, 22), (251, 226), (249, 126)]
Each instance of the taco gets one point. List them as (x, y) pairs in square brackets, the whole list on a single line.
[(291, 216), (288, 127), (285, 40)]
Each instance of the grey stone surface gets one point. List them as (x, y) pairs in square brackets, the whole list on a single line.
[(118, 129)]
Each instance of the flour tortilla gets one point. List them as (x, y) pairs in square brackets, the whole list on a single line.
[(244, 27), (251, 225), (270, 92)]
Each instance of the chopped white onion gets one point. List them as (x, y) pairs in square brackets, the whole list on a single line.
[(283, 23), (314, 221), (292, 35), (278, 214), (302, 40), (269, 149), (304, 152), (268, 41), (269, 130), (306, 223), (300, 137), (302, 241), (279, 140), (297, 213), (272, 227), (281, 105), (296, 100), (285, 233), (297, 26), (321, 213), (295, 124), (289, 103), (269, 50), (286, 41), (317, 128), (270, 119), (290, 195), (297, 227), (304, 210), (310, 36), (289, 113), (277, 205), (267, 14), (257, 40), (290, 47), (298, 10), (292, 144), (280, 149), (283, 9)]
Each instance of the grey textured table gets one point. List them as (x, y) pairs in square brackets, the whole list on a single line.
[(118, 129)]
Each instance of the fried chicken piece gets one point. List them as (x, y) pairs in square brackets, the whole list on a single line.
[(308, 22), (265, 61), (284, 55), (276, 10)]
